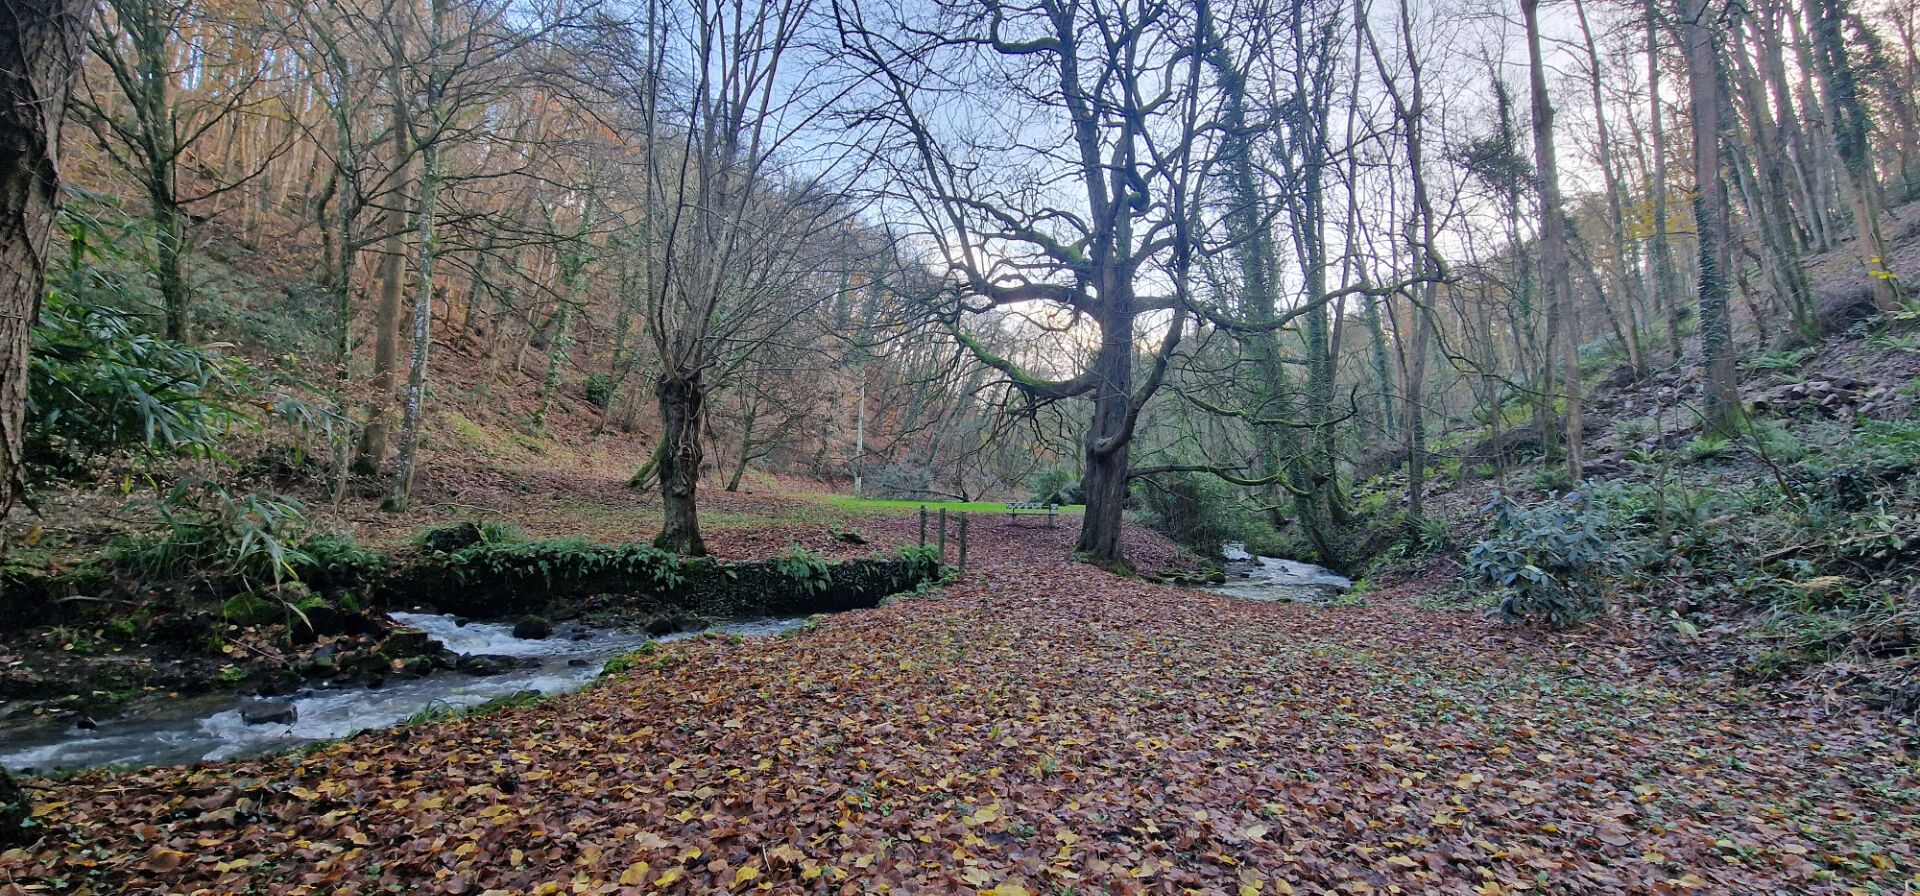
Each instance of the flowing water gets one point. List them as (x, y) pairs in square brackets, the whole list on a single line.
[(212, 728), (1275, 579)]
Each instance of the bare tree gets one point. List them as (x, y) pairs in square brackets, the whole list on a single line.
[(1563, 330), (1065, 219), (730, 239), (154, 129)]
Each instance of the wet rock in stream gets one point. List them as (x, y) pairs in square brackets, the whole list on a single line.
[(487, 664), (532, 628), (268, 712)]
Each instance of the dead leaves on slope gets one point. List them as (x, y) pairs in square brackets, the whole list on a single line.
[(1042, 729)]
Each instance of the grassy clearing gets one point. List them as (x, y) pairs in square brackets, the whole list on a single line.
[(888, 505)]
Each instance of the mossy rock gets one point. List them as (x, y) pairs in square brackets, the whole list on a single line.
[(405, 643), (450, 538), (252, 609)]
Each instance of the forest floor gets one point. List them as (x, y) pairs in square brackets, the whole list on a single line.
[(1040, 726)]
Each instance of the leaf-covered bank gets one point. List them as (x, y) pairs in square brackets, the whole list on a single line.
[(1044, 727)]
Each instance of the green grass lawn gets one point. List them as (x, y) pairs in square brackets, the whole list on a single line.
[(887, 505)]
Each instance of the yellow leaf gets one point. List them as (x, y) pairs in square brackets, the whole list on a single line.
[(636, 873), (1007, 890), (745, 874), (673, 874)]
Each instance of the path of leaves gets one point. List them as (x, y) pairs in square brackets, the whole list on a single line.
[(1047, 728)]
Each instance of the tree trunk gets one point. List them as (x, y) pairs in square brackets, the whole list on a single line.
[(386, 323), (413, 406), (750, 416), (1109, 438), (1563, 331), (1710, 219), (422, 330), (170, 250), (1850, 133), (1665, 283), (681, 397), (38, 63)]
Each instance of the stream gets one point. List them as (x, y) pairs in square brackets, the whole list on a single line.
[(1274, 579), (211, 727)]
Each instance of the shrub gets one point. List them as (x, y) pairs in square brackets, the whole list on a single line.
[(1785, 359), (1637, 429), (908, 482), (1196, 510), (335, 560), (1056, 485), (457, 536), (1777, 444), (551, 560), (1552, 478), (600, 389), (96, 385), (811, 570), (239, 541), (1708, 447), (1549, 562)]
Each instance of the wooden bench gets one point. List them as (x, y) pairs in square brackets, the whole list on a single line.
[(1015, 508)]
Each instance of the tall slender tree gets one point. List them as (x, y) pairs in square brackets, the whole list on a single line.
[(1699, 26)]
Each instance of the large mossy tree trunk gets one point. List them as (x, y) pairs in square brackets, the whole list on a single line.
[(1108, 445), (682, 396), (38, 63)]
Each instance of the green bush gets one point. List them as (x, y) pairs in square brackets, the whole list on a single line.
[(454, 537), (1196, 510), (1551, 562), (1779, 445), (600, 389), (97, 385), (1552, 478), (1707, 447), (808, 568), (1785, 359), (1056, 485), (336, 560), (238, 541), (1637, 429)]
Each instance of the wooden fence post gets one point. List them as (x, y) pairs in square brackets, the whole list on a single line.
[(943, 536), (923, 525), (963, 543)]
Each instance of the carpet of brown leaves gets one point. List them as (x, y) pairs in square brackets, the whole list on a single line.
[(1044, 727)]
